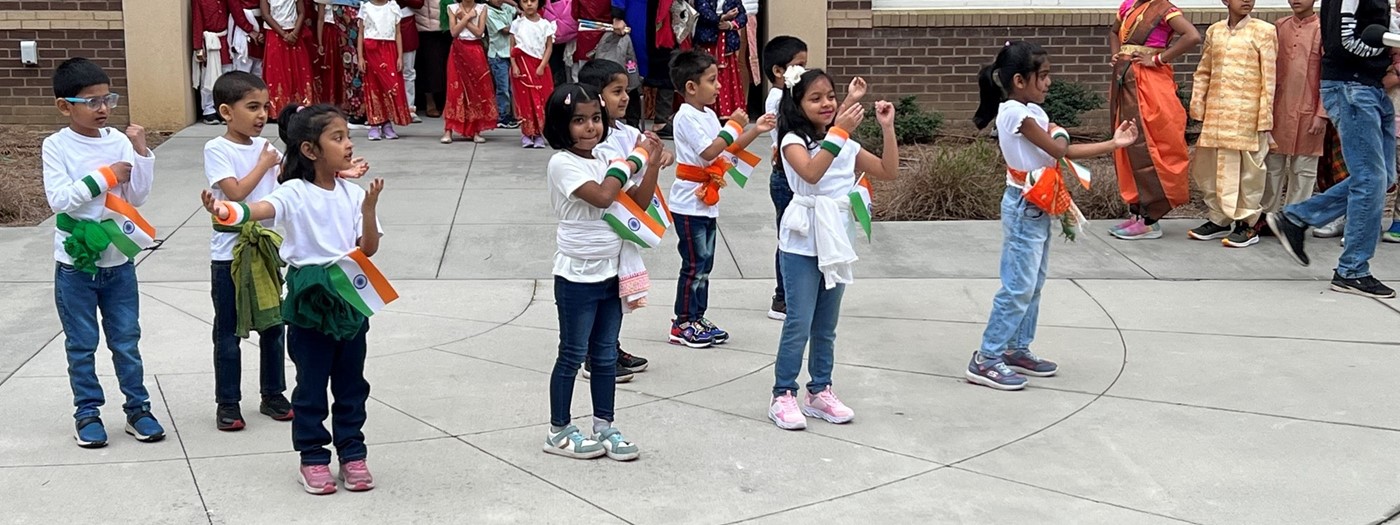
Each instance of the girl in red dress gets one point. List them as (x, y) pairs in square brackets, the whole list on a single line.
[(531, 42), (471, 95), (286, 61), (381, 61), (717, 33)]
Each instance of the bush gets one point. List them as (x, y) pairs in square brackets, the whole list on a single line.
[(912, 125), (1066, 101)]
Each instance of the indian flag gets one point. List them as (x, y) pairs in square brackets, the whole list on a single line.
[(861, 203), (741, 164), (632, 223), (361, 284), (129, 231), (659, 210)]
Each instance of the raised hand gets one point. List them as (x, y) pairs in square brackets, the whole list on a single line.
[(358, 168), (214, 206), (269, 156), (856, 90), (137, 135), (1126, 134), (740, 116), (884, 114), (372, 195), (123, 171), (767, 122), (851, 117)]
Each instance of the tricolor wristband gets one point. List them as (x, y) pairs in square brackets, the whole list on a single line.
[(638, 158), (835, 140), (1057, 133), (101, 181), (237, 214), (730, 132), (618, 169)]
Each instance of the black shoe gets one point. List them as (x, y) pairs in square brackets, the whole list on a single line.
[(778, 310), (1261, 227), (229, 417), (514, 124), (1366, 286), (276, 407), (1290, 235), (211, 119), (623, 375), (1244, 235), (629, 362), (1209, 231)]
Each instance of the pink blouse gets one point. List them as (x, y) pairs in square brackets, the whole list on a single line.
[(1162, 35)]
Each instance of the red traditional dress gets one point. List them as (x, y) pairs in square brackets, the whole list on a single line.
[(287, 61), (530, 88), (723, 44), (471, 95)]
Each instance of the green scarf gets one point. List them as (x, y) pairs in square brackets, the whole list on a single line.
[(257, 278), (442, 15), (313, 303), (87, 239)]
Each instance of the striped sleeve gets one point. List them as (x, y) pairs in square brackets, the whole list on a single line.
[(1351, 37), (65, 194)]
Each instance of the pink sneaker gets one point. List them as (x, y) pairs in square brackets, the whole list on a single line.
[(1138, 230), (356, 476), (1125, 224), (784, 412), (825, 405), (316, 479)]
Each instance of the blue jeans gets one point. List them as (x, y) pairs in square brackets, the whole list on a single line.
[(228, 358), (1025, 260), (500, 74), (590, 317), (812, 312), (695, 239), (79, 296), (781, 193), (324, 361), (1365, 121)]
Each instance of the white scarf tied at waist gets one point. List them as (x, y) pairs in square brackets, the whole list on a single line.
[(206, 74), (238, 43), (596, 241), (835, 255)]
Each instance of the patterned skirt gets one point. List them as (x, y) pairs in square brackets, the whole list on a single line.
[(471, 94), (287, 71), (384, 88)]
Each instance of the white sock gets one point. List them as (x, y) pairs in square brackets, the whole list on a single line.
[(599, 425)]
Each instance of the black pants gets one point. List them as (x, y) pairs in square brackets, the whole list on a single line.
[(323, 361)]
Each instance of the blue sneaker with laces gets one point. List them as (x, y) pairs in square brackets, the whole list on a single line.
[(717, 335), (1026, 362), (993, 373), (89, 433), (144, 427)]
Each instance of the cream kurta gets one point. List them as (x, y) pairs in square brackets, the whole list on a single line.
[(1232, 91)]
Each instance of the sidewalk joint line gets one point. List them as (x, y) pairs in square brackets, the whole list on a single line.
[(452, 225), (183, 451)]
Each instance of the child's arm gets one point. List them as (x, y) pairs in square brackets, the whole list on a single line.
[(886, 166), (477, 24), (1200, 82), (810, 167), (197, 17), (459, 20), (514, 66), (854, 93), (398, 45), (643, 192), (745, 137), (360, 43), (236, 189), (143, 167), (1123, 137), (295, 33), (600, 194), (240, 212), (548, 50), (320, 28), (65, 194), (369, 229), (1268, 67)]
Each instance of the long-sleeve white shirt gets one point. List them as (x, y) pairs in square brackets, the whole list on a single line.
[(69, 158)]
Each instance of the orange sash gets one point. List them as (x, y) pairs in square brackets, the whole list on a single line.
[(710, 178)]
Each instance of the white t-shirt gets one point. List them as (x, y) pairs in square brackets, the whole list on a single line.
[(321, 225), (622, 139), (751, 7), (381, 21), (694, 131), (1019, 153), (284, 12), (770, 105), (70, 157), (837, 184), (455, 8), (226, 159), (531, 36), (567, 173)]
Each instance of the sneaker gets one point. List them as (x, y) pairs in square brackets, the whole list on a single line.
[(356, 126), (356, 476), (1367, 286), (375, 133), (784, 412), (414, 118), (690, 334), (1392, 234), (571, 443), (1123, 225), (716, 334), (1026, 362), (527, 142), (228, 417), (276, 407), (1290, 235), (316, 479), (615, 446), (629, 362), (389, 132), (826, 406), (540, 143), (144, 427), (210, 119), (778, 310), (514, 124), (623, 375), (1332, 229), (1138, 230), (1209, 231), (1244, 235), (89, 433), (993, 373)]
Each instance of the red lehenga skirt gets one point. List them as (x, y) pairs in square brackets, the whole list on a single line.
[(385, 100), (287, 71), (530, 93), (731, 80), (471, 94)]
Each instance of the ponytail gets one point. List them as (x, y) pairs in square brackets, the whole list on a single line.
[(297, 125), (995, 80), (990, 96)]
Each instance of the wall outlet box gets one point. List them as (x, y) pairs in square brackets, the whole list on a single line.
[(29, 53)]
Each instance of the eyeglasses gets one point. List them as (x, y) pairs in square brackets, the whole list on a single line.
[(96, 103)]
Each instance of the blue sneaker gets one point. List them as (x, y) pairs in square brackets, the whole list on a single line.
[(89, 433), (1026, 362), (993, 373), (1392, 234), (144, 427), (716, 334), (690, 334)]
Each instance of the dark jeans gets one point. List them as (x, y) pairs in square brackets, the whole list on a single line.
[(556, 65), (228, 358), (696, 243), (781, 193), (659, 61), (323, 361), (633, 117), (590, 317), (79, 296), (500, 74)]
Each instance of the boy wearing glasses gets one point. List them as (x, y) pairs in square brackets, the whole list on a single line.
[(94, 177)]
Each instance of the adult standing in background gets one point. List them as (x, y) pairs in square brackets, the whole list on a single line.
[(345, 16), (431, 61), (634, 14), (561, 12)]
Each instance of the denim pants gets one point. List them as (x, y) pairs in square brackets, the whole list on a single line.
[(1025, 260), (781, 193), (324, 361), (590, 317), (228, 356), (812, 312), (79, 296), (500, 74), (695, 239), (1365, 121)]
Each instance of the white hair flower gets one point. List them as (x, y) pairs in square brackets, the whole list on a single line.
[(792, 75)]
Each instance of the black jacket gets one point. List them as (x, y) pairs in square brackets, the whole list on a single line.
[(1344, 56)]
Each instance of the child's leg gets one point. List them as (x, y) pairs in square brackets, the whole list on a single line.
[(410, 79), (802, 281), (308, 349), (120, 303), (228, 361), (1248, 170), (350, 391), (781, 193), (688, 237), (1026, 232), (500, 76), (1302, 180), (577, 306), (706, 253), (272, 376), (1025, 334), (1275, 181), (602, 351), (75, 295), (823, 355)]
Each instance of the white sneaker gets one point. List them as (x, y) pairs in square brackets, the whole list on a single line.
[(1332, 229)]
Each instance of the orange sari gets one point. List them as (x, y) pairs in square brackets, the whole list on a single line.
[(1153, 172)]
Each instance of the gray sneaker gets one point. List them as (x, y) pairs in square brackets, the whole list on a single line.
[(617, 447), (1026, 362), (993, 373), (570, 443)]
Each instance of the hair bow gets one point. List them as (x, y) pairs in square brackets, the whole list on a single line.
[(792, 75)]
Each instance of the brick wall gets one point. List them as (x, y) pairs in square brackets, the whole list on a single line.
[(62, 31)]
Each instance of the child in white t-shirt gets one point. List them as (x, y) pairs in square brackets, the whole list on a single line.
[(531, 43), (381, 62)]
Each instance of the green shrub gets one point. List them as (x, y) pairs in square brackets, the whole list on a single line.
[(1066, 101), (912, 125)]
